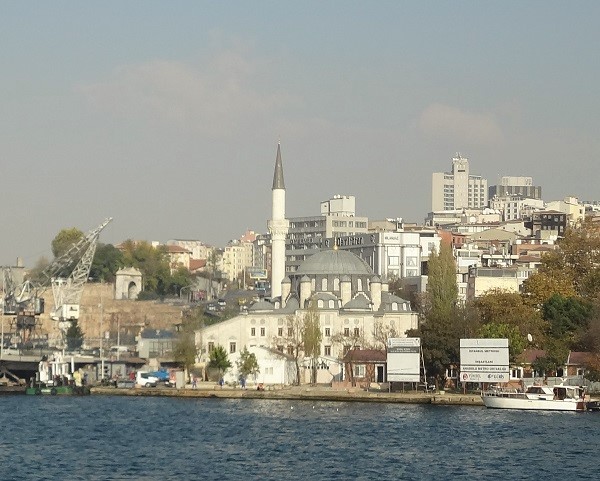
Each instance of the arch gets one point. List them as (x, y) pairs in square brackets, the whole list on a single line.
[(132, 290), (324, 284)]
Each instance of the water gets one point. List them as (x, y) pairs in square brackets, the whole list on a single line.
[(122, 438)]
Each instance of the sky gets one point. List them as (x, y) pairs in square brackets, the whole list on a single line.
[(166, 115)]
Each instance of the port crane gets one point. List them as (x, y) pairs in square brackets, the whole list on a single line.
[(24, 300)]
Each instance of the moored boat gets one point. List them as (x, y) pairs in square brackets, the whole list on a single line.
[(538, 398), (56, 376)]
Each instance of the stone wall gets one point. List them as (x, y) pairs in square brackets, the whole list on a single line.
[(129, 316)]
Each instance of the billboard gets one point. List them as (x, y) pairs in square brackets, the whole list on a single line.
[(404, 359), (256, 272), (484, 360)]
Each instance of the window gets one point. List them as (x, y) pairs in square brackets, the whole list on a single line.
[(211, 346), (262, 332), (253, 331), (346, 331), (280, 348), (328, 350), (393, 260), (290, 350), (280, 331), (327, 331), (346, 349), (290, 331), (516, 373), (232, 347), (356, 331), (411, 261), (359, 370), (324, 284)]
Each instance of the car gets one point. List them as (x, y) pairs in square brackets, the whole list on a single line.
[(146, 379), (162, 375)]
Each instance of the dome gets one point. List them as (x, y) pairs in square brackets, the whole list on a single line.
[(335, 262)]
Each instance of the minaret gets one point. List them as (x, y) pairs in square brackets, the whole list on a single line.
[(278, 228)]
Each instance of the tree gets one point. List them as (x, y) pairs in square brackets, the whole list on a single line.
[(247, 364), (311, 338), (153, 262), (568, 317), (572, 269), (501, 307), (65, 239), (542, 285), (293, 341), (184, 349), (381, 334), (442, 289), (516, 341), (107, 261), (74, 336), (219, 359)]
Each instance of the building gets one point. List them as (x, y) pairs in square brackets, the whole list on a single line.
[(238, 256), (458, 189), (515, 208), (306, 235), (521, 187), (352, 303), (570, 206)]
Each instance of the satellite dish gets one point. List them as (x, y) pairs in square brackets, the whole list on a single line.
[(529, 337)]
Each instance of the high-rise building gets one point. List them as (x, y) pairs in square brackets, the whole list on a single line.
[(516, 187), (306, 235), (458, 189)]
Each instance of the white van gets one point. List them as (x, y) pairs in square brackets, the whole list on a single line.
[(143, 378)]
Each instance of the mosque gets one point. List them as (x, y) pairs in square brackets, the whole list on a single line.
[(353, 304)]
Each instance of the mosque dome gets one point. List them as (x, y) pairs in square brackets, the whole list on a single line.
[(337, 262)]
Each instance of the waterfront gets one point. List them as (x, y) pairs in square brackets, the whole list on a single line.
[(106, 438)]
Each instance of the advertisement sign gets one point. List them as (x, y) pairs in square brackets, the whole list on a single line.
[(484, 360), (404, 359)]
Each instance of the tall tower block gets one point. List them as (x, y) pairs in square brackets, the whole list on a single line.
[(278, 227)]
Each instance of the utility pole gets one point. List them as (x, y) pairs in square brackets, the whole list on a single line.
[(101, 334)]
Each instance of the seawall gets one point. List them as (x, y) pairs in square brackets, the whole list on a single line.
[(299, 394)]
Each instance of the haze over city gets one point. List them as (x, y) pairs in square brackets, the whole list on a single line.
[(166, 116)]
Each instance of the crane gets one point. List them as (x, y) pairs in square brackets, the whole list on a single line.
[(25, 300)]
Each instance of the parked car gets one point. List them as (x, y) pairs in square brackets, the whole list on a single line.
[(162, 375), (144, 378)]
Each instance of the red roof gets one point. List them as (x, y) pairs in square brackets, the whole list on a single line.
[(172, 249), (196, 264), (365, 355)]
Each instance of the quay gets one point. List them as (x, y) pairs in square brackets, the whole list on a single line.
[(299, 393)]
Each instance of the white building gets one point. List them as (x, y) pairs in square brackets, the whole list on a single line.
[(352, 304), (306, 235), (458, 189)]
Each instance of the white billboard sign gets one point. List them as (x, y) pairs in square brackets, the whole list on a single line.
[(484, 360), (404, 359)]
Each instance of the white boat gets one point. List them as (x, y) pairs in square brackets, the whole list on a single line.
[(539, 398)]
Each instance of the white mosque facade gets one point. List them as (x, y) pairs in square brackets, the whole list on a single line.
[(353, 305)]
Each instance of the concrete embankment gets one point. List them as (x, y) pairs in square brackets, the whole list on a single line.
[(299, 394)]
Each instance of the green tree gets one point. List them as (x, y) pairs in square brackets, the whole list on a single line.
[(65, 239), (568, 317), (247, 364), (74, 336), (184, 350), (516, 341), (107, 261), (311, 338), (442, 289), (152, 262), (219, 359)]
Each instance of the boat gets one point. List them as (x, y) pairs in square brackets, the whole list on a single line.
[(537, 398), (57, 376)]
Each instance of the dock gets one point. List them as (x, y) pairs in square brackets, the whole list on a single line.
[(300, 393)]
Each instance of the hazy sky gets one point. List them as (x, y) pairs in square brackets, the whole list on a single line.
[(166, 115)]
